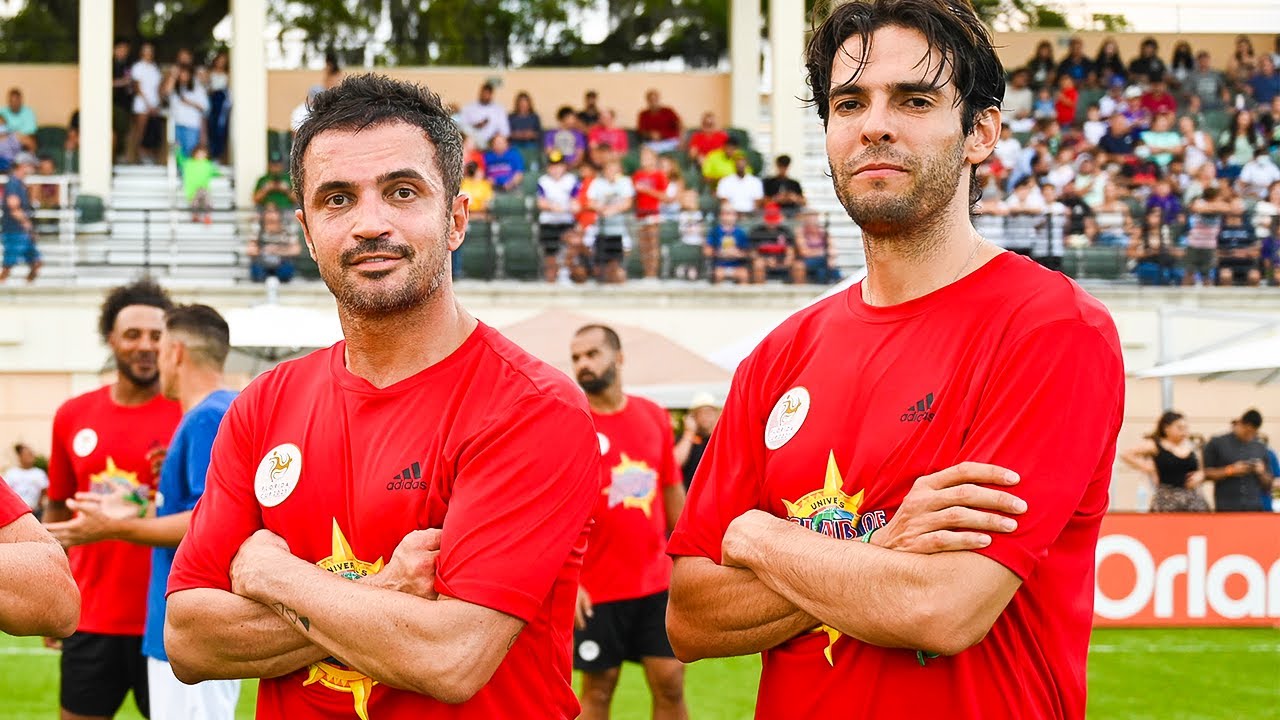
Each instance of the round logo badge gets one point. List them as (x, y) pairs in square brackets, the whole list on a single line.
[(278, 474), (787, 417), (85, 442), (604, 443), (589, 650)]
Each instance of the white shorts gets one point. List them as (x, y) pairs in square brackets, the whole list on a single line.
[(172, 700)]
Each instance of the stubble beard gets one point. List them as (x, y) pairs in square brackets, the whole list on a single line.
[(912, 213), (424, 278)]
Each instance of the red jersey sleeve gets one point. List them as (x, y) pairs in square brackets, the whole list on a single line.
[(522, 497), (62, 475), (1051, 413), (226, 515), (728, 480), (12, 507)]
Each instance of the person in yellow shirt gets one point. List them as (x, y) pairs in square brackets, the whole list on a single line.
[(478, 188)]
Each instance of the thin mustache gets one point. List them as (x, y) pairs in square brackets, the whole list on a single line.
[(376, 246)]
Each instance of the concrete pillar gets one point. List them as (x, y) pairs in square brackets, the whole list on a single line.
[(786, 39), (744, 64), (248, 96), (96, 24)]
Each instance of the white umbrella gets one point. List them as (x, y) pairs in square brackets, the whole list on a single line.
[(274, 332), (1255, 361)]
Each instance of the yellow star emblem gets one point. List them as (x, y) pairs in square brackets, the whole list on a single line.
[(113, 477), (343, 561)]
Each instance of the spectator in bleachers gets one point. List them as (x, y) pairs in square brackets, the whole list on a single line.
[(1043, 108), (1157, 100), (773, 249), (1207, 83), (10, 148), (659, 126), (1018, 97), (612, 196), (1266, 212), (503, 165), (484, 118), (1147, 66), (146, 129), (1203, 223), (1090, 183), (1269, 257), (1204, 178), (557, 194), (1197, 146), (814, 250), (1008, 148), (742, 190), (1108, 63), (1065, 100), (274, 188), (121, 96), (198, 172), (1270, 121), (478, 188), (1258, 174), (1026, 208), (1080, 229), (17, 223), (719, 163), (1166, 200), (1243, 61), (782, 189), (1119, 140), (1264, 83), (189, 105), (272, 252), (1042, 67), (1051, 230), (1162, 140), (48, 194), (693, 230), (590, 113), (566, 138), (650, 185), (1157, 258), (707, 138), (676, 186), (219, 115), (1113, 102), (728, 248), (1239, 252), (525, 125), (20, 119), (1076, 64), (1182, 64), (1113, 218), (1063, 171), (605, 131), (1238, 143)]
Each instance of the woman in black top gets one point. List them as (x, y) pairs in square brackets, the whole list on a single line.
[(1169, 456), (1041, 66), (1108, 63)]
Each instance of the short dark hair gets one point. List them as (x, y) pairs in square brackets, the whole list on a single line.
[(1252, 418), (783, 160), (950, 27), (141, 292), (564, 111), (206, 327), (610, 336), (370, 100), (19, 447)]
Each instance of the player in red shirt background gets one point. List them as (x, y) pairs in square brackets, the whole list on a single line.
[(38, 596), (392, 527), (622, 601), (840, 426), (650, 183), (112, 438)]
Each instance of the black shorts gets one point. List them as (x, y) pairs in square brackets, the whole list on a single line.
[(551, 237), (623, 630), (99, 670), (609, 249)]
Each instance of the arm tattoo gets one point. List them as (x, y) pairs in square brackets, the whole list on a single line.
[(512, 641), (292, 616)]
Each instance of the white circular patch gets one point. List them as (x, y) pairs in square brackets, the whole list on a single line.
[(277, 474), (787, 417), (604, 443), (159, 499), (85, 442), (589, 650)]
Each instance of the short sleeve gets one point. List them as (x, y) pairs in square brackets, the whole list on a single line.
[(729, 477), (1213, 454), (226, 515), (1050, 413), (12, 507), (62, 475), (521, 501)]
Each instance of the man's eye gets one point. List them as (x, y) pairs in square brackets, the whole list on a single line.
[(404, 193)]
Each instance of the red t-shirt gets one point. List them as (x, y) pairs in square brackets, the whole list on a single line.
[(489, 444), (662, 121), (1065, 105), (626, 558), (98, 444), (12, 507), (654, 180), (703, 142), (1012, 365), (615, 138)]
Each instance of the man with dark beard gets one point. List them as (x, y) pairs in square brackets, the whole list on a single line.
[(622, 601), (952, 358), (104, 441), (392, 527)]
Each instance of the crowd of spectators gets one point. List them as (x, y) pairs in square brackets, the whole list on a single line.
[(1173, 166)]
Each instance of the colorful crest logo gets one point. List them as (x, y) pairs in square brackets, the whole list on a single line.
[(634, 485)]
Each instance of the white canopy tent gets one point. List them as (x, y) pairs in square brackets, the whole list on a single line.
[(269, 333), (1256, 361)]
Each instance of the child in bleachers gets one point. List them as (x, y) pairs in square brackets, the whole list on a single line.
[(198, 172), (693, 230)]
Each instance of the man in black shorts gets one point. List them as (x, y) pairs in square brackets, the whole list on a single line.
[(558, 191), (611, 195), (622, 601)]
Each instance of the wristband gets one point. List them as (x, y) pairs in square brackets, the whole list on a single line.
[(867, 538)]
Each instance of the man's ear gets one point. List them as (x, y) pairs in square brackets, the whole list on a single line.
[(982, 140)]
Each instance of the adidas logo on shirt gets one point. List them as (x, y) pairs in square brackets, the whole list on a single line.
[(408, 479), (921, 411)]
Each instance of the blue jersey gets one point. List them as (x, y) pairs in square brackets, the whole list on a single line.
[(181, 485)]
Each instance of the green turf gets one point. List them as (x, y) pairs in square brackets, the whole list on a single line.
[(1133, 674)]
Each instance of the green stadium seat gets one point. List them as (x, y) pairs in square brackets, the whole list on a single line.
[(521, 259), (668, 232), (1095, 263), (631, 162), (740, 136), (51, 140), (90, 209), (756, 161), (479, 257), (513, 206), (709, 204)]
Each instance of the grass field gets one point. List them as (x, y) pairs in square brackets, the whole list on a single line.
[(1133, 674)]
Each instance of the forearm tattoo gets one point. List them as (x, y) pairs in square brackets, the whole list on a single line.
[(292, 616)]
